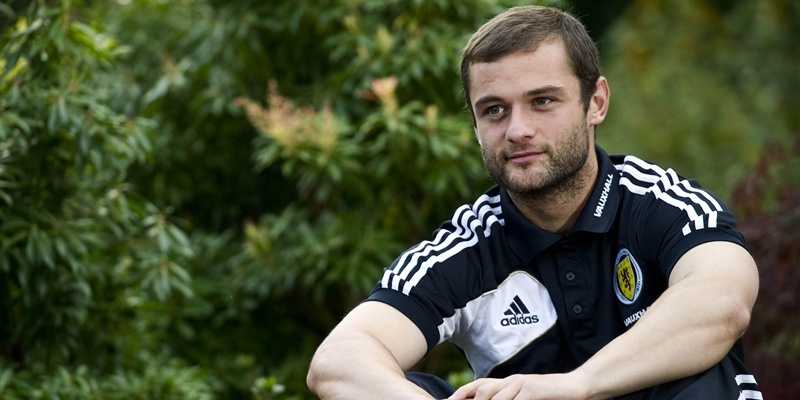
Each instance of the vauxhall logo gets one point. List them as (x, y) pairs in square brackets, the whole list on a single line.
[(518, 314), (601, 204)]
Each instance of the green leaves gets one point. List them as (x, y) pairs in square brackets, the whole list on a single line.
[(192, 193), (155, 379), (702, 97), (154, 217), (67, 215)]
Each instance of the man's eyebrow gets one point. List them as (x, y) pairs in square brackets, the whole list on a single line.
[(544, 90), (486, 99)]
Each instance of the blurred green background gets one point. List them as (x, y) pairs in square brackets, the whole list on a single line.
[(194, 192)]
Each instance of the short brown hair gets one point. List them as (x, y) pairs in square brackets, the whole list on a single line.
[(523, 29)]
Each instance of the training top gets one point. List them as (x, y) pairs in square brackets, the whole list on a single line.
[(517, 299)]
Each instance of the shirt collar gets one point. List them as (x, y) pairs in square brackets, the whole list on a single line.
[(525, 239), (600, 211), (528, 240)]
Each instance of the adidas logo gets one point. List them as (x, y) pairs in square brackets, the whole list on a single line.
[(518, 314)]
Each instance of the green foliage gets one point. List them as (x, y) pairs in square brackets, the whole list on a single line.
[(699, 88), (193, 193), (155, 222), (70, 225), (153, 379), (768, 200), (83, 256)]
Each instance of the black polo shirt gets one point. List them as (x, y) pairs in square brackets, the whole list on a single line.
[(518, 299)]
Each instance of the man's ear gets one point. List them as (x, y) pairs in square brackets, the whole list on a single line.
[(598, 104)]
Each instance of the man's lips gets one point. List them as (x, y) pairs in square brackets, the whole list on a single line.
[(523, 156)]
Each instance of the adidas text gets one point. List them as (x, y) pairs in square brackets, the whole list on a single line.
[(520, 320)]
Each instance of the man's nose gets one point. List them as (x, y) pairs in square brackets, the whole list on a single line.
[(521, 126)]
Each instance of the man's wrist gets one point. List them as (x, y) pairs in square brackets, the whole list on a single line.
[(587, 384)]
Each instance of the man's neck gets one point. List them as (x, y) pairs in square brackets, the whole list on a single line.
[(557, 209)]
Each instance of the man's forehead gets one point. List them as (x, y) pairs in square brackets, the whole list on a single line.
[(545, 65), (551, 43)]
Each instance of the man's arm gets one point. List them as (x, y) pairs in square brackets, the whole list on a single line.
[(365, 355), (689, 329)]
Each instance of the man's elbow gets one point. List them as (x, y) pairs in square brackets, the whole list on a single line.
[(739, 296), (742, 307), (312, 378), (739, 319), (315, 376), (327, 371)]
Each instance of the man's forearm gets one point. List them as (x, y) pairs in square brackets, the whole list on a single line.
[(355, 366), (365, 355), (658, 349)]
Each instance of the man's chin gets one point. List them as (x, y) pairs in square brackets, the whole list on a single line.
[(521, 186)]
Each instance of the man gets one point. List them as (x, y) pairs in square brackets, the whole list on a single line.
[(579, 276)]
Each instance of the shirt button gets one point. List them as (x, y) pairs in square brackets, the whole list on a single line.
[(577, 309), (570, 276)]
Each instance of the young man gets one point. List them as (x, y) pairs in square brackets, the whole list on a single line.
[(579, 276)]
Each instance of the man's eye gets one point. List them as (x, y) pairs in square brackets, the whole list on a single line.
[(494, 110), (542, 101)]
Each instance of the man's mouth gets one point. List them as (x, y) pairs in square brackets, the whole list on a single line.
[(522, 157)]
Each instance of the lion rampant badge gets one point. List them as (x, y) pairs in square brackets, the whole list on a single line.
[(628, 282)]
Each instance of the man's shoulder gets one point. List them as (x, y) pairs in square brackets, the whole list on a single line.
[(472, 227), (642, 177), (661, 197), (480, 215), (637, 175)]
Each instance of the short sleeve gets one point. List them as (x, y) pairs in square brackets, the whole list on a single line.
[(679, 215), (431, 281)]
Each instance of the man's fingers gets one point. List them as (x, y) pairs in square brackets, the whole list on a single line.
[(471, 390), (509, 391), (463, 393), (490, 389)]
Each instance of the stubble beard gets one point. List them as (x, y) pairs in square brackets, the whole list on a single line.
[(562, 178)]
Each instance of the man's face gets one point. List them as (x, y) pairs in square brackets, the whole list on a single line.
[(530, 120)]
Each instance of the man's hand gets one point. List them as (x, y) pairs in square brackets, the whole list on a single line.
[(524, 387)]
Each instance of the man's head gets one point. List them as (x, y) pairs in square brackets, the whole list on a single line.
[(523, 29)]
